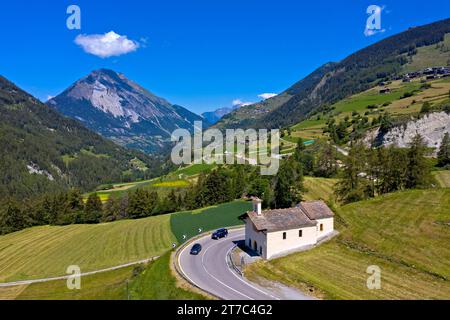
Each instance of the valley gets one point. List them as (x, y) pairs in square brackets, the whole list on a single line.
[(86, 179)]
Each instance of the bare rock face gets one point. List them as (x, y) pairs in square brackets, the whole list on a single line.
[(431, 127)]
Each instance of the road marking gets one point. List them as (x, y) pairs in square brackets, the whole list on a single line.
[(204, 267), (203, 254), (219, 281), (181, 268), (243, 281)]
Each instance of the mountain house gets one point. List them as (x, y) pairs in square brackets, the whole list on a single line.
[(273, 233)]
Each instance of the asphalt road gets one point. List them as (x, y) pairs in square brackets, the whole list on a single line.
[(209, 271)]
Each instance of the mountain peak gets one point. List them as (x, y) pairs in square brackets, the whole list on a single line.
[(111, 104)]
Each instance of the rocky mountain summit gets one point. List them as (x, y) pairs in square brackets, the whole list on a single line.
[(120, 109)]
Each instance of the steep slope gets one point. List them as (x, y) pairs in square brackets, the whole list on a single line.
[(43, 151), (333, 82), (118, 108)]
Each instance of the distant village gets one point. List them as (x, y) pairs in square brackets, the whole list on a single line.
[(427, 74)]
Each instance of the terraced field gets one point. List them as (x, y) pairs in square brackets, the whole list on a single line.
[(406, 234)]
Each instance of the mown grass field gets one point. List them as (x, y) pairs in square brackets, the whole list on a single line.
[(406, 234), (153, 281), (47, 251), (188, 223)]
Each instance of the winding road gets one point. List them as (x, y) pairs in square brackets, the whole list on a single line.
[(210, 271)]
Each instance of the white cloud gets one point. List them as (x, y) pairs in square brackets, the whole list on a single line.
[(49, 97), (266, 96), (240, 103), (106, 45)]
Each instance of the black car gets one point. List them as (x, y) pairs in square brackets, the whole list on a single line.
[(196, 249), (219, 234)]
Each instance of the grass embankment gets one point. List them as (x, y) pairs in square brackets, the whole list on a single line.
[(406, 234), (156, 282)]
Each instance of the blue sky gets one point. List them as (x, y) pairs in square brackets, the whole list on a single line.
[(201, 54)]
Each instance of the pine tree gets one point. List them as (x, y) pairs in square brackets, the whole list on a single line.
[(93, 210), (353, 185), (288, 185), (111, 210), (142, 203), (444, 152), (12, 218), (418, 172), (426, 107), (326, 162)]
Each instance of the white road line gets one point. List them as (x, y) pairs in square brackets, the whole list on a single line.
[(181, 268), (204, 267), (215, 278), (248, 284)]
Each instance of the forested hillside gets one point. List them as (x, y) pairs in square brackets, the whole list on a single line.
[(336, 81), (43, 151)]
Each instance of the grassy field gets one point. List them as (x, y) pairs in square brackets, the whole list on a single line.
[(188, 223), (147, 282), (442, 178), (175, 180), (360, 101), (406, 234), (319, 189), (153, 281), (157, 283), (47, 251)]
